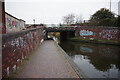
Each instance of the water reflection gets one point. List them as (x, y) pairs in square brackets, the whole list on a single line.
[(96, 61), (85, 49)]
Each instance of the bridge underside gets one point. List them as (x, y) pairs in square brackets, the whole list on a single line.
[(64, 35)]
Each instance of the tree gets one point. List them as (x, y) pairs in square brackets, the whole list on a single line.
[(79, 19), (69, 19), (103, 14), (103, 17), (53, 25), (118, 21)]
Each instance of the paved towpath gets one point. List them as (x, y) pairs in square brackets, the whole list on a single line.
[(46, 62)]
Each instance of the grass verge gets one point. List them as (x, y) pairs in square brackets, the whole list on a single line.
[(92, 40)]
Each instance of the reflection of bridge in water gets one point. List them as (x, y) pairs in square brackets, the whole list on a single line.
[(102, 57), (89, 49)]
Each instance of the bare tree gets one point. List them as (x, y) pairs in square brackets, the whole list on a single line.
[(69, 19), (79, 19)]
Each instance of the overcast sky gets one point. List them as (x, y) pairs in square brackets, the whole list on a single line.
[(52, 11)]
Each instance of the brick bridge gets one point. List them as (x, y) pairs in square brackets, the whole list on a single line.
[(65, 32)]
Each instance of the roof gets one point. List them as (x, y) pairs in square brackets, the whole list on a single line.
[(14, 16)]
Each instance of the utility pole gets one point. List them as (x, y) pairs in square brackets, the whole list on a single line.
[(110, 5), (34, 21), (119, 8)]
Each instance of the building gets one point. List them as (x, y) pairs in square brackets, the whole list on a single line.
[(119, 8), (13, 24), (9, 23)]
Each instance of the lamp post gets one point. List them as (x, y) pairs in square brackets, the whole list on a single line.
[(119, 8), (34, 21), (110, 5)]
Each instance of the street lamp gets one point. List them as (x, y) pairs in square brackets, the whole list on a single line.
[(110, 5), (34, 21)]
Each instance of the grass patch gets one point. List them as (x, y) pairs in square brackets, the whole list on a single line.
[(27, 58), (80, 38), (92, 40)]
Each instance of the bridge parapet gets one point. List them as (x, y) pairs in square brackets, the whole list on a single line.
[(91, 32), (17, 46), (61, 28)]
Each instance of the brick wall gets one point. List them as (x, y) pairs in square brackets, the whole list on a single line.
[(101, 33), (2, 17), (13, 24), (17, 46)]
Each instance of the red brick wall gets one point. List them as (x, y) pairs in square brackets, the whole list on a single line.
[(13, 24), (2, 17), (17, 46), (101, 33)]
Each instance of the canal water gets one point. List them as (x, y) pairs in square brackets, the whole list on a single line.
[(95, 60)]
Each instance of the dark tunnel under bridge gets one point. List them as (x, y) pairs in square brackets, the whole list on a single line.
[(65, 34)]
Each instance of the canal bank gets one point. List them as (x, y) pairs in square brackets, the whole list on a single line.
[(74, 66), (95, 41)]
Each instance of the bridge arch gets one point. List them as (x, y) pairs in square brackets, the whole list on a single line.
[(65, 33)]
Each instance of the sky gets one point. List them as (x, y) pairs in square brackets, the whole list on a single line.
[(52, 11)]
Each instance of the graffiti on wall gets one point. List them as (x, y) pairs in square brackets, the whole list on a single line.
[(86, 33), (16, 49), (109, 34), (13, 24), (86, 49)]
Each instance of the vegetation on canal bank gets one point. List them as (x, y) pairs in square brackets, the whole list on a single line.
[(92, 40)]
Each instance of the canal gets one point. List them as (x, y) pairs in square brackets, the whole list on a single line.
[(95, 60)]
